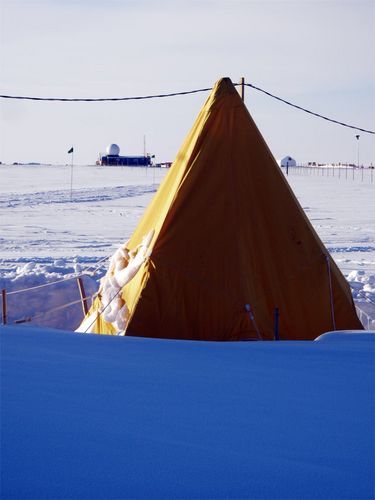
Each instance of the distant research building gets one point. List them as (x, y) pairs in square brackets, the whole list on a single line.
[(112, 157)]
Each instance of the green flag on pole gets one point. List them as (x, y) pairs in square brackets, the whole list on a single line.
[(71, 150)]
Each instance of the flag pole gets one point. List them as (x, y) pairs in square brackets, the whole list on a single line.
[(71, 176)]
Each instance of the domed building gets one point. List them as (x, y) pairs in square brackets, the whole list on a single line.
[(112, 157), (113, 150), (288, 161)]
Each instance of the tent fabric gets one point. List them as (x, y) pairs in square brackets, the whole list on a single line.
[(231, 243)]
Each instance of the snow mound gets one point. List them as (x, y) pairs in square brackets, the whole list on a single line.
[(37, 293), (345, 335)]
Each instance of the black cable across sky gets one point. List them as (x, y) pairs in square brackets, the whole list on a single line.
[(187, 92), (308, 111)]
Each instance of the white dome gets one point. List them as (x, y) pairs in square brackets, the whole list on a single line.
[(113, 150), (288, 161)]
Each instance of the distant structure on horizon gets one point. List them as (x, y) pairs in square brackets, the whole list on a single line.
[(286, 162), (112, 157)]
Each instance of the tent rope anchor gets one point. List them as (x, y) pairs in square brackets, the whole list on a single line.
[(330, 291), (249, 311)]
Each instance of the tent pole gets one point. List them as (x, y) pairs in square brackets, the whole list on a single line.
[(4, 305), (83, 296), (242, 89)]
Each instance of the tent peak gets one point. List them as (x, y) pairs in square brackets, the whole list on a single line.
[(224, 86)]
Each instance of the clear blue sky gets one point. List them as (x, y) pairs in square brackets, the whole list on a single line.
[(318, 54)]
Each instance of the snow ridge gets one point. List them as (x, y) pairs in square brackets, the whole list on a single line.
[(86, 195)]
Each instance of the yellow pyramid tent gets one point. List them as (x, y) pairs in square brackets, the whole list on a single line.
[(222, 245)]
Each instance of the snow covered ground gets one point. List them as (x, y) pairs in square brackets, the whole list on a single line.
[(91, 416), (47, 235)]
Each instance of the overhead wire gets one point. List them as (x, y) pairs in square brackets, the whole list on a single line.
[(186, 92), (308, 111), (104, 99)]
